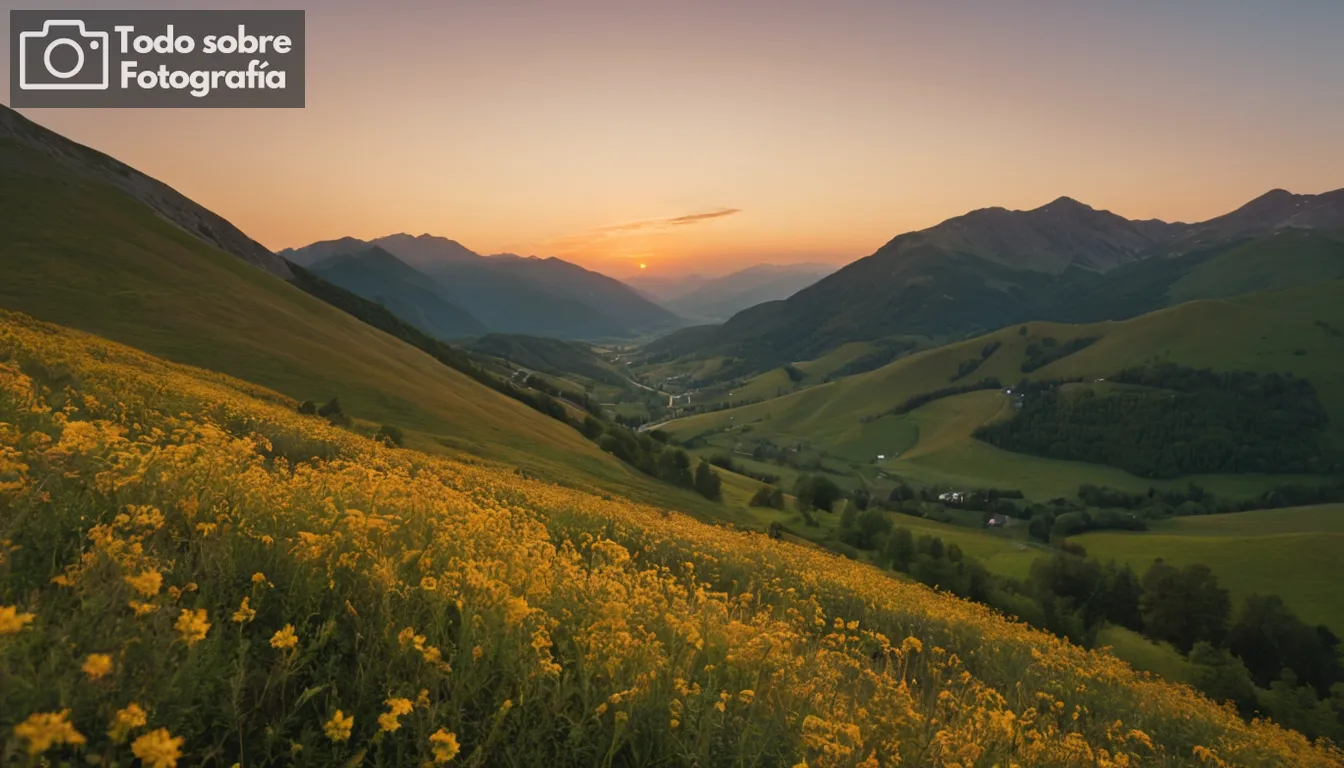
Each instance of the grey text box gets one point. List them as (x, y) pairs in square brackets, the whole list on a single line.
[(241, 59)]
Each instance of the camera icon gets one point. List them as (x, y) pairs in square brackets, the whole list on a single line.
[(64, 56)]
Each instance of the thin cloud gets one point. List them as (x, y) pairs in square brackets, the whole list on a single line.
[(696, 218), (598, 234)]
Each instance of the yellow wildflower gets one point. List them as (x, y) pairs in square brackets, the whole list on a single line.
[(142, 608), (45, 730), (244, 614), (258, 578), (285, 638), (11, 621), (158, 749), (515, 610), (339, 726), (445, 746), (388, 721), (125, 721), (148, 583), (97, 665), (192, 625)]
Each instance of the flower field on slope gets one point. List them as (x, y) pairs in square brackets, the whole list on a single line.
[(192, 573)]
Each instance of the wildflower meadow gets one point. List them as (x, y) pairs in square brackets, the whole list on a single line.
[(193, 573)]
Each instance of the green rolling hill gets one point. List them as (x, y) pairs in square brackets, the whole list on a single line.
[(1294, 330), (132, 274)]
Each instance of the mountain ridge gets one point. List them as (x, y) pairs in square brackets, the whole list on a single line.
[(89, 163), (504, 293), (994, 267)]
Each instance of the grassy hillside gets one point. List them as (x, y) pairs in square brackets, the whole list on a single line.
[(1293, 553), (1295, 330), (194, 572), (127, 274), (553, 356), (1281, 260)]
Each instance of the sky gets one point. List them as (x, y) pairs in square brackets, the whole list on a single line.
[(696, 136)]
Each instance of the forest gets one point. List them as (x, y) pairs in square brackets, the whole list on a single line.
[(1171, 420)]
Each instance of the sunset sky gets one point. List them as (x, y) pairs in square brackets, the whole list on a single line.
[(706, 136)]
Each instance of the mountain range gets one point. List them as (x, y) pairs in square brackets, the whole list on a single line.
[(1064, 261), (453, 292), (715, 299)]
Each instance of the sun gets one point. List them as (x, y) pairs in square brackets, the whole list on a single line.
[(643, 265)]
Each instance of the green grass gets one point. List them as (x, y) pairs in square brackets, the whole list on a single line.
[(817, 370), (1287, 258), (1145, 655), (888, 436), (1293, 553)]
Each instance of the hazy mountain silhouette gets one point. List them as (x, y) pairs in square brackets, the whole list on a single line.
[(505, 293)]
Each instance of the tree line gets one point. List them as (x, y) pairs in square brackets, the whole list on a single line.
[(924, 398), (967, 367), (1048, 350)]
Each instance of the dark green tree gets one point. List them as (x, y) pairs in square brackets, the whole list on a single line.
[(1183, 606), (674, 466), (390, 435), (768, 496), (1040, 527), (1269, 638), (707, 482), (817, 492), (1221, 677), (592, 428), (899, 550)]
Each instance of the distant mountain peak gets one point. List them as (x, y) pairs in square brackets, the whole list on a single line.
[(1050, 239), (1067, 203), (1277, 209)]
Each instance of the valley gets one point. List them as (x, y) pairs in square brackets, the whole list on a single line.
[(1017, 460)]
